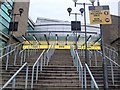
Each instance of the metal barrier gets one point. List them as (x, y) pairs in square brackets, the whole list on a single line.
[(111, 53), (26, 53), (13, 52), (113, 63), (93, 82), (43, 59), (78, 64), (13, 78)]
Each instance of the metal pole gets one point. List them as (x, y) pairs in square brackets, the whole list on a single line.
[(76, 31), (105, 73), (86, 53)]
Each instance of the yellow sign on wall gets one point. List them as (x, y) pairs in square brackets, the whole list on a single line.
[(97, 47), (100, 15)]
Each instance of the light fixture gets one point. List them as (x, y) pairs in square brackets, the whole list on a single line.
[(75, 1), (69, 10), (92, 1), (82, 11), (21, 11)]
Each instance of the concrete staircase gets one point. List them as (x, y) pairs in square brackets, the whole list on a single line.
[(60, 74), (20, 79)]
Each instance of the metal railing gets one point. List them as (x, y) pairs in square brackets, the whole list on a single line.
[(93, 82), (111, 53), (13, 78), (112, 64), (77, 64), (43, 59), (12, 53)]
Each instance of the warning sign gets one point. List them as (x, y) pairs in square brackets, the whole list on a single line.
[(100, 15)]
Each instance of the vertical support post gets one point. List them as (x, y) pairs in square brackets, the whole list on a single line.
[(85, 80), (13, 84), (92, 84), (24, 55), (21, 57), (37, 72), (26, 80), (105, 73), (7, 61), (86, 52), (95, 58), (41, 65), (28, 52), (15, 52)]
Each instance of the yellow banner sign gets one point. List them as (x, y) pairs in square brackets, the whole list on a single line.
[(100, 15), (97, 47)]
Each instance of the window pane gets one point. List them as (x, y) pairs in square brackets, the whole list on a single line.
[(3, 21), (4, 29), (5, 16)]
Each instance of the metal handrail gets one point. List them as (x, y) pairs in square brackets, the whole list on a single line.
[(112, 62), (43, 59), (109, 59), (36, 64), (9, 53), (112, 50), (93, 82), (8, 46), (77, 63), (13, 78), (110, 46)]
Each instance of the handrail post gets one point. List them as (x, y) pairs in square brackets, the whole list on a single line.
[(37, 72), (92, 85), (28, 52), (85, 80), (13, 84), (15, 52), (26, 80), (95, 58), (41, 65), (32, 78), (7, 61), (24, 55), (21, 55)]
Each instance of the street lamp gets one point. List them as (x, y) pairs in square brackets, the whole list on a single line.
[(69, 11), (11, 13), (105, 73)]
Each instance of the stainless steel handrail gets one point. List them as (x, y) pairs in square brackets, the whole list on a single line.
[(77, 63), (13, 78), (15, 51), (36, 64), (9, 46), (43, 59), (93, 82), (112, 62)]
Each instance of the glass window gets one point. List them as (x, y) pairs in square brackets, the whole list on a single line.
[(3, 14), (3, 21), (4, 29)]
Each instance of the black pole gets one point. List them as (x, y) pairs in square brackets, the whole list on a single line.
[(86, 53), (105, 73), (76, 31)]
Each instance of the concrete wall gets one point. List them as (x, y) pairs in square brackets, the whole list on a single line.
[(111, 32), (22, 27)]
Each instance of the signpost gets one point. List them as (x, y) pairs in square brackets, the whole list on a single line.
[(100, 15)]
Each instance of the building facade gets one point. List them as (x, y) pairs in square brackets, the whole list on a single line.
[(5, 19)]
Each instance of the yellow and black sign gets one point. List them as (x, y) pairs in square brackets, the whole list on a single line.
[(100, 15), (97, 47)]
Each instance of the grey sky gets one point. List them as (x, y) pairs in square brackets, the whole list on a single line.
[(57, 9)]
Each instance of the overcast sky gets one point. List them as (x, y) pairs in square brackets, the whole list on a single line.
[(57, 9)]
